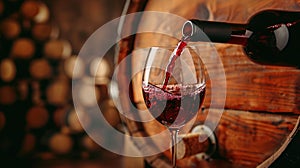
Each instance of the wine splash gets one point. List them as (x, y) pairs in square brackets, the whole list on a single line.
[(165, 105), (176, 53)]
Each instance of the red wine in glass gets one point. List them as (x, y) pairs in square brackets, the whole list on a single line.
[(176, 53), (175, 105)]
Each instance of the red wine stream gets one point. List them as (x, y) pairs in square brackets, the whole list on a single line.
[(176, 53)]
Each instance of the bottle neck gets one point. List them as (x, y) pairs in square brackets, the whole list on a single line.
[(219, 32)]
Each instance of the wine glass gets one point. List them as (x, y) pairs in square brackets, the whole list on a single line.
[(173, 86)]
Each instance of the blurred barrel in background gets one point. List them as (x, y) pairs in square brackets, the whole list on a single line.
[(39, 44)]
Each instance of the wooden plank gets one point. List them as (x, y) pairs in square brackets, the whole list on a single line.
[(257, 87), (249, 138), (240, 11), (249, 86)]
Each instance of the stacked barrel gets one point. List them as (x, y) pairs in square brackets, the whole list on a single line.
[(37, 117)]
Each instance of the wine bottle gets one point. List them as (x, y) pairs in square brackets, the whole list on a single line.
[(270, 37)]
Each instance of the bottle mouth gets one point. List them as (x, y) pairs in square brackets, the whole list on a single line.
[(187, 29)]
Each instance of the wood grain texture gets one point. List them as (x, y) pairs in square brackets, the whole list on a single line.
[(256, 87), (248, 138), (240, 11), (244, 138), (190, 145), (249, 86), (262, 102)]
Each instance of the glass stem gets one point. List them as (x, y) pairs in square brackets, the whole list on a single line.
[(174, 135)]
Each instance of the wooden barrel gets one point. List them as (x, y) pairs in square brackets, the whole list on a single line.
[(44, 31), (260, 123), (60, 143), (23, 48), (68, 120), (8, 70), (35, 10), (10, 28), (35, 112), (40, 69), (58, 92)]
